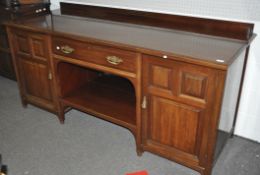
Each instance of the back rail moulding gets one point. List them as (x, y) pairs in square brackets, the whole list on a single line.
[(221, 28)]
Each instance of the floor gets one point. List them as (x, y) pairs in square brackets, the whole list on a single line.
[(32, 142)]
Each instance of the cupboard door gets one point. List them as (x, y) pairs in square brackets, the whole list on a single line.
[(173, 124), (37, 86), (33, 65), (175, 115)]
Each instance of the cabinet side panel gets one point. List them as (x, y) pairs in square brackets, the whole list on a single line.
[(231, 94), (229, 102)]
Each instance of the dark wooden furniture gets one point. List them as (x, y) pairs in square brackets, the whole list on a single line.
[(13, 13), (165, 85), (3, 168), (33, 62)]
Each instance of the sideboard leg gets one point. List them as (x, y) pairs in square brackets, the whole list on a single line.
[(139, 152), (202, 172), (61, 114), (24, 102), (206, 171), (61, 117), (139, 148)]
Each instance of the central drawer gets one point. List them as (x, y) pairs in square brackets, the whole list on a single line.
[(101, 55)]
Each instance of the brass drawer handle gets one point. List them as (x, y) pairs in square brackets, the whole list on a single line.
[(114, 60), (67, 49)]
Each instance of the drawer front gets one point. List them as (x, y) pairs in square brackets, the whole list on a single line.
[(102, 55)]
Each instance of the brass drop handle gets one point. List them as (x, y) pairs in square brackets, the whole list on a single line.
[(50, 76), (144, 103), (114, 60), (66, 49)]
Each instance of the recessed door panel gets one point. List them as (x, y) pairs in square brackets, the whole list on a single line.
[(173, 124), (23, 46), (193, 85), (39, 49), (35, 78)]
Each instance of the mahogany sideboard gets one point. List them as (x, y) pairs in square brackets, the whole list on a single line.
[(168, 79)]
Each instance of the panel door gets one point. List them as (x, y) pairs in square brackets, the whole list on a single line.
[(35, 77), (32, 59), (174, 116), (173, 124)]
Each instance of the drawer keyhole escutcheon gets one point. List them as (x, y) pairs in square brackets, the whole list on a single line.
[(114, 60)]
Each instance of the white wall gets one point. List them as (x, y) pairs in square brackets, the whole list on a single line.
[(248, 124), (236, 10)]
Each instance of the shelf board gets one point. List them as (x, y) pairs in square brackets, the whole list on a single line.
[(109, 97)]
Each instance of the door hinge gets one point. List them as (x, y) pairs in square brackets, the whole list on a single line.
[(50, 76), (144, 103)]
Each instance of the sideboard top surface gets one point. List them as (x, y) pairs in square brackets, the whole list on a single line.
[(212, 50)]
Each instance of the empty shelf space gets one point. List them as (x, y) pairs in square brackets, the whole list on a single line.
[(109, 97)]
